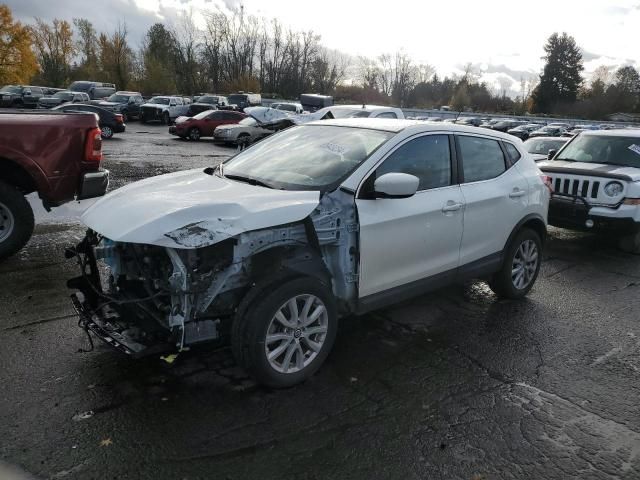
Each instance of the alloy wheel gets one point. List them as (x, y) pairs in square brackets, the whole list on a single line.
[(7, 222), (296, 333), (525, 264)]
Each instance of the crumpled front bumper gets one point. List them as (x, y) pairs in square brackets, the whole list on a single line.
[(97, 314)]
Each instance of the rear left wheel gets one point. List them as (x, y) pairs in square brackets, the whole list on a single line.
[(520, 267), (166, 118), (16, 220), (284, 337), (107, 131)]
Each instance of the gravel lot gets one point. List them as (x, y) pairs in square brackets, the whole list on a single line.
[(452, 385)]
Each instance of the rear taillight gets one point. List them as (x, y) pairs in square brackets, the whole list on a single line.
[(119, 118), (93, 146), (548, 182)]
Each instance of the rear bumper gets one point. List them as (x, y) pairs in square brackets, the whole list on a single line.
[(576, 214), (94, 184), (119, 128)]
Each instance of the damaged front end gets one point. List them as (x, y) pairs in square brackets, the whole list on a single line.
[(146, 299)]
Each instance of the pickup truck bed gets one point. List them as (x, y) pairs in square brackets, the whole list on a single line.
[(56, 154)]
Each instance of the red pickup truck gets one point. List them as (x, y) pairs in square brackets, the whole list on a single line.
[(55, 154)]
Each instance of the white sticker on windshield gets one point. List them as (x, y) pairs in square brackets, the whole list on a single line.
[(635, 148), (335, 148)]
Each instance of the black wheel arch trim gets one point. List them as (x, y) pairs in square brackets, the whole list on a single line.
[(528, 218)]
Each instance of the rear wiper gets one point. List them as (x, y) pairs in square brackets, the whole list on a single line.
[(249, 180)]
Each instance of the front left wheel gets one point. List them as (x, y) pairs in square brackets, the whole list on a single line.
[(286, 334), (194, 134)]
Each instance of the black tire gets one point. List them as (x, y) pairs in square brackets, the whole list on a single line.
[(630, 243), (106, 132), (166, 118), (143, 119), (255, 316), (14, 210), (244, 140), (503, 283), (194, 134)]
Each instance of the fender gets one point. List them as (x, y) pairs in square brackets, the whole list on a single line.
[(540, 228), (28, 165)]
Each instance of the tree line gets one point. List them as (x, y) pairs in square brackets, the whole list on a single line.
[(235, 51)]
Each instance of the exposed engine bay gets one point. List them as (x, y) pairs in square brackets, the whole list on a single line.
[(145, 299)]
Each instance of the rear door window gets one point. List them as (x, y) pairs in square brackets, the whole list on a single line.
[(482, 158)]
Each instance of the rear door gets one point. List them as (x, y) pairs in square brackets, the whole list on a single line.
[(406, 240), (212, 121), (495, 196)]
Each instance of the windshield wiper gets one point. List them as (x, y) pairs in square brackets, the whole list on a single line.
[(565, 160), (249, 180)]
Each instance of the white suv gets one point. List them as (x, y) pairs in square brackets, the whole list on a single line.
[(319, 221), (596, 182)]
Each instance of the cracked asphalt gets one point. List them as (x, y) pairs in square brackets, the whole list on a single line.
[(453, 385)]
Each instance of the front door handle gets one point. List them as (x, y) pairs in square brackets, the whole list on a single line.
[(451, 207), (517, 193)]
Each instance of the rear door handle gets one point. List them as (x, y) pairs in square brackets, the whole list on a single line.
[(517, 193), (451, 207)]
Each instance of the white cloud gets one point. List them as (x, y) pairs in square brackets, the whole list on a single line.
[(505, 37)]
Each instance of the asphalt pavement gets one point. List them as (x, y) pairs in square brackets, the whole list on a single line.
[(453, 385)]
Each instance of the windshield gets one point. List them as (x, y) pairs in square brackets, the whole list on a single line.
[(10, 89), (115, 98), (203, 115), (614, 150), (63, 95), (542, 147), (289, 107), (80, 86), (208, 99), (237, 99), (309, 157), (160, 100)]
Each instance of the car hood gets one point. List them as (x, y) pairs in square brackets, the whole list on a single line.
[(594, 169), (538, 157), (155, 105), (51, 100), (192, 209), (109, 104)]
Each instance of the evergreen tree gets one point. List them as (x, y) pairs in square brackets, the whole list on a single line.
[(560, 80)]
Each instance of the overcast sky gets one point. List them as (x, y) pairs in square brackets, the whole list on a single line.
[(504, 39)]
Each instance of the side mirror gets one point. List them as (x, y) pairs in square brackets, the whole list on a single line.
[(552, 153), (396, 185)]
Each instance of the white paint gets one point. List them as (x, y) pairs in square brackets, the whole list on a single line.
[(156, 210)]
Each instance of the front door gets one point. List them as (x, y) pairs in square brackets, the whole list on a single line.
[(406, 240)]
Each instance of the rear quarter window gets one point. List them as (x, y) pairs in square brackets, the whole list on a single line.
[(512, 152)]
